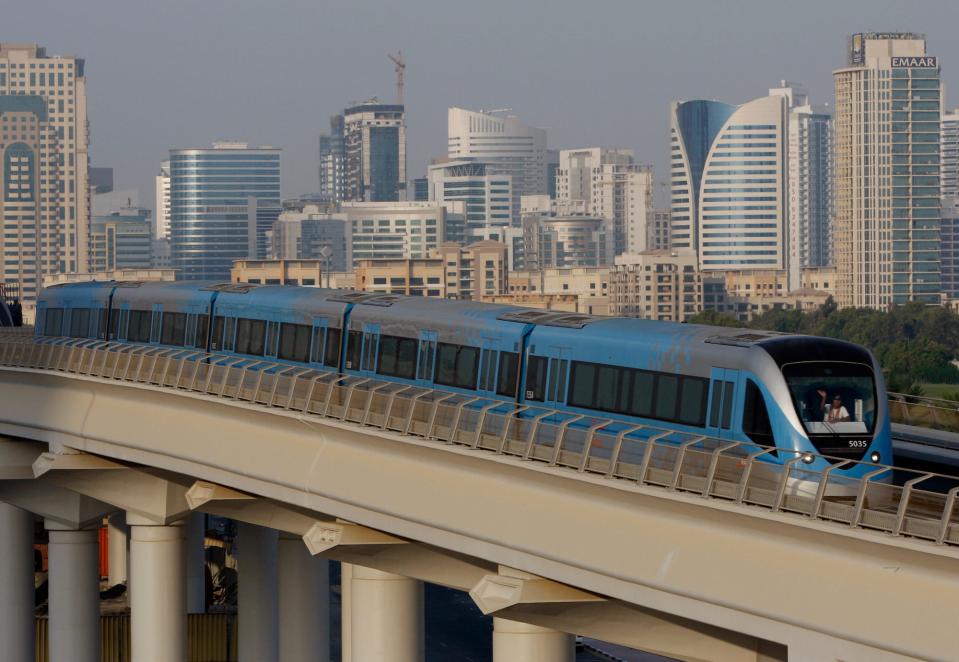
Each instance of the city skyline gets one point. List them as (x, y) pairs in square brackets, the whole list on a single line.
[(542, 50)]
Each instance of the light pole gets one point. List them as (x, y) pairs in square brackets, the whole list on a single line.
[(326, 253)]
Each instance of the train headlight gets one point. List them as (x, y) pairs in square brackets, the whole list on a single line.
[(875, 457), (808, 458)]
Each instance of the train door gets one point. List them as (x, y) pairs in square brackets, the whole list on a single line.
[(547, 376), (318, 340), (371, 343), (426, 358), (487, 366), (722, 396)]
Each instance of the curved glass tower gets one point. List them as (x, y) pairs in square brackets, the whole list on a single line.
[(214, 197)]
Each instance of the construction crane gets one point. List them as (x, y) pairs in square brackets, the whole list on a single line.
[(399, 69)]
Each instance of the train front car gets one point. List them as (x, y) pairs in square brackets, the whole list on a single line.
[(826, 397), (74, 310)]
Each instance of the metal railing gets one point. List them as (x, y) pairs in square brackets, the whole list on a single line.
[(676, 461), (926, 412)]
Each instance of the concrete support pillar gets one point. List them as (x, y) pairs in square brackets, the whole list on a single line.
[(157, 592), (346, 602), (118, 536), (16, 580), (520, 642), (195, 563), (386, 617), (258, 618), (74, 595), (304, 603)]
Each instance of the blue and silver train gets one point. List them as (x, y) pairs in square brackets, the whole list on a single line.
[(811, 395)]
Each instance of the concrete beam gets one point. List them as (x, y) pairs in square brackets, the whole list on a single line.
[(54, 503), (17, 458), (511, 587)]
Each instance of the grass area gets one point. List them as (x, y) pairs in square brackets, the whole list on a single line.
[(939, 390)]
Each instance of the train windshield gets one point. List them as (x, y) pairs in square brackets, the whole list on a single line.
[(832, 397)]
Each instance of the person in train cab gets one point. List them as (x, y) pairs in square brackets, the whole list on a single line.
[(834, 412)]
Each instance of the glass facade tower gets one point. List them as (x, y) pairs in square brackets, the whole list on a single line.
[(214, 199)]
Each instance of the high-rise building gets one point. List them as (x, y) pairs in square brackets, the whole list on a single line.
[(949, 155), (332, 161), (810, 182), (729, 186), (45, 203), (374, 143), (121, 240), (949, 247), (214, 196), (608, 183), (381, 230), (100, 180), (302, 232), (487, 194), (505, 144), (421, 189), (887, 172), (161, 225)]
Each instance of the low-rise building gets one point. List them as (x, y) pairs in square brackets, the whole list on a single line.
[(278, 272), (659, 285), (166, 275)]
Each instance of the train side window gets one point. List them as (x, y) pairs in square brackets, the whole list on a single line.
[(582, 385), (80, 322), (488, 370), (140, 325), (294, 342), (427, 352), (202, 330), (607, 387), (250, 336), (457, 365), (217, 341), (103, 324), (53, 321), (353, 343), (536, 378), (508, 372), (667, 390), (559, 394), (692, 402), (331, 356), (397, 357), (316, 353), (173, 330), (641, 393), (756, 423)]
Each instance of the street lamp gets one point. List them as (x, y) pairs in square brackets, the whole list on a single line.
[(326, 253)]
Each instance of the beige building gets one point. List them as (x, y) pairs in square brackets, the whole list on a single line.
[(576, 289), (473, 272), (166, 275), (569, 303), (659, 285), (45, 206), (278, 272), (820, 278)]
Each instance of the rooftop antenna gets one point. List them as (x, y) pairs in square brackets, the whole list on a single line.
[(399, 69)]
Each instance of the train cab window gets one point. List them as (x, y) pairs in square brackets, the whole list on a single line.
[(53, 321), (354, 341), (138, 327), (508, 373), (536, 378), (80, 322), (756, 424), (692, 401), (294, 342), (456, 365), (173, 329), (202, 330), (250, 336), (397, 357), (331, 355)]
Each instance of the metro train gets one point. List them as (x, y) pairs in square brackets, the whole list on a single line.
[(812, 395)]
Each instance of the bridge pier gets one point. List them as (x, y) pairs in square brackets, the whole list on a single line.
[(522, 642), (16, 578), (195, 563), (386, 617), (118, 539), (157, 592), (258, 600), (74, 594), (304, 633)]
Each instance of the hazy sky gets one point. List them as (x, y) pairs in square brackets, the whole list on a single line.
[(182, 73)]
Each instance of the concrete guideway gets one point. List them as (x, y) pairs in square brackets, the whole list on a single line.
[(658, 569)]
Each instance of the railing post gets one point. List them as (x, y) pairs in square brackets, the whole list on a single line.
[(823, 483), (482, 421), (714, 464), (680, 457), (561, 438), (861, 496), (588, 444), (947, 515), (618, 447), (904, 501)]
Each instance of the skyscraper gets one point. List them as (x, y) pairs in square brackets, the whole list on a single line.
[(215, 195), (949, 155), (608, 183), (161, 227), (887, 172), (505, 144), (729, 184), (487, 196), (810, 182), (374, 143), (45, 206), (332, 161)]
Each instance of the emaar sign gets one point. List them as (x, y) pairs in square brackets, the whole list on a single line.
[(925, 62)]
